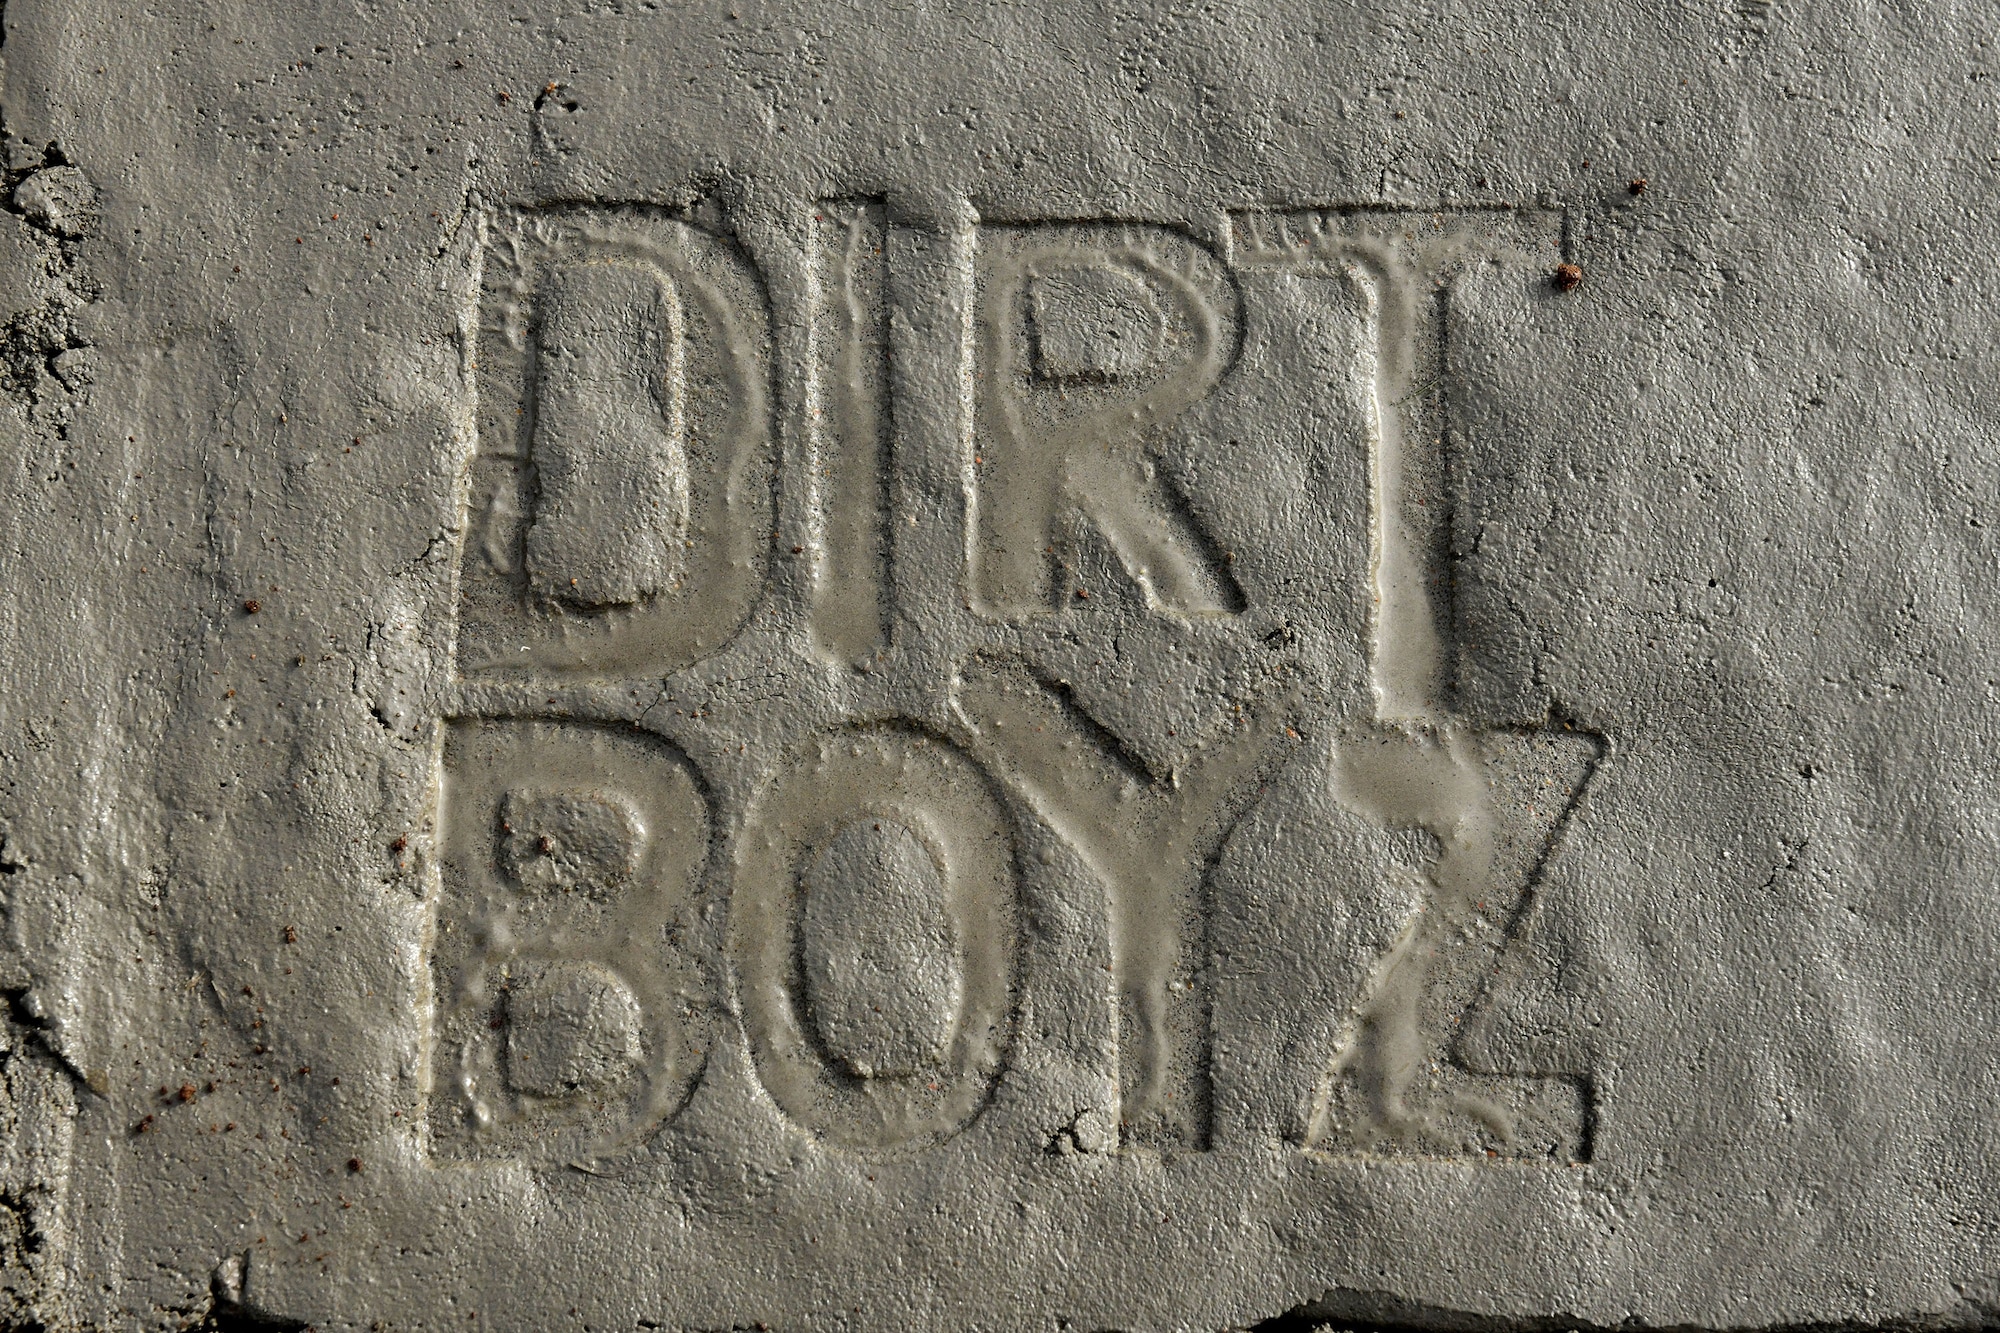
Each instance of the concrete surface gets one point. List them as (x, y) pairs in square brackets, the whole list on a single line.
[(782, 666)]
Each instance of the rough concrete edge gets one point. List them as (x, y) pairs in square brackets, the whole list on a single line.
[(44, 354), (1344, 1310)]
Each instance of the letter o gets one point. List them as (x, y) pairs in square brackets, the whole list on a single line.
[(910, 949)]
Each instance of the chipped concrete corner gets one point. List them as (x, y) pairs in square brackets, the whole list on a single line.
[(757, 665)]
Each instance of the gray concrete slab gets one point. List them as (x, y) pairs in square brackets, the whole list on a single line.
[(764, 665)]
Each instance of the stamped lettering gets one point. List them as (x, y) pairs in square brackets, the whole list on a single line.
[(622, 490), (1091, 340), (850, 421), (874, 927), (574, 980), (1484, 805), (1200, 636)]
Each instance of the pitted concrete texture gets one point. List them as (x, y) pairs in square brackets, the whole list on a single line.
[(759, 665)]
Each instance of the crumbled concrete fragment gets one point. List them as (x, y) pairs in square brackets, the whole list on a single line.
[(61, 199)]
